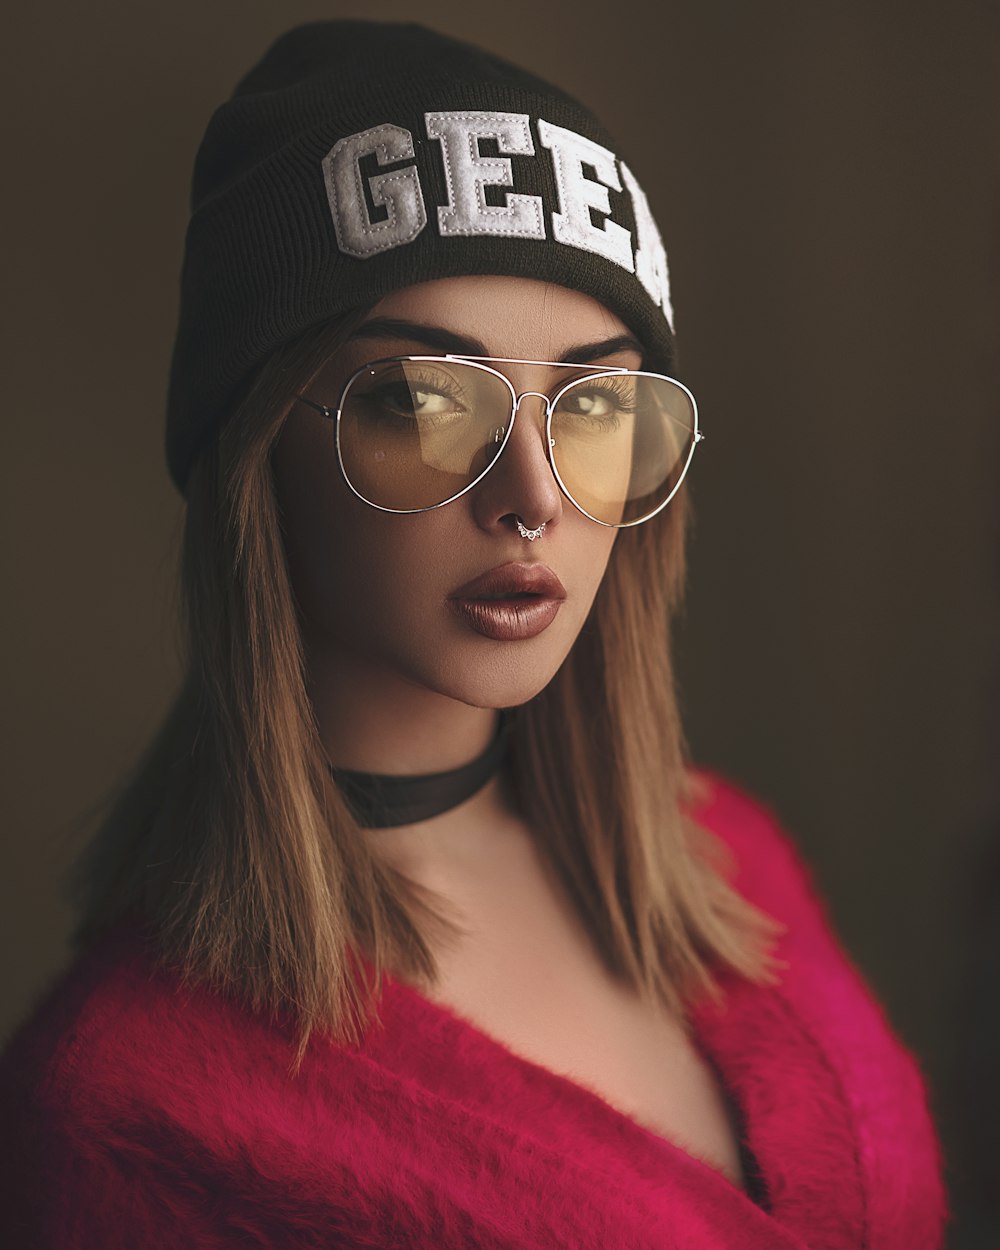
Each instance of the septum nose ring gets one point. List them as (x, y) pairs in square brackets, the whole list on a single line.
[(531, 534)]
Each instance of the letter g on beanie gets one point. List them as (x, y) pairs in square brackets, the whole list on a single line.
[(360, 157)]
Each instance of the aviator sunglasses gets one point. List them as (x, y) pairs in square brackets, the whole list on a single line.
[(416, 432)]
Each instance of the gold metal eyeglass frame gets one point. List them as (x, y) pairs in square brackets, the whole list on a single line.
[(484, 363)]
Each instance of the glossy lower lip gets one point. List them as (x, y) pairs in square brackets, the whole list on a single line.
[(507, 620)]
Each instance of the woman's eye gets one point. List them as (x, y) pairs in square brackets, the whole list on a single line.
[(599, 404), (412, 401), (592, 404), (432, 403)]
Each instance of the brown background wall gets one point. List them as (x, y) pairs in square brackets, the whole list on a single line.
[(826, 180)]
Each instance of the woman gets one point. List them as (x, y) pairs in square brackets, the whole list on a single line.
[(413, 927)]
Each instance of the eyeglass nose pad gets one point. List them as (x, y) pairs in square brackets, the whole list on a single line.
[(495, 442)]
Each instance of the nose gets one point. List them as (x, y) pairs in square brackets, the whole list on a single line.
[(520, 482)]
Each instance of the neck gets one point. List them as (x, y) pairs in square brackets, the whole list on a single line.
[(375, 721), (458, 847), (371, 721)]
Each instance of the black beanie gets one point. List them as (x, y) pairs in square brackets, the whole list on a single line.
[(360, 157)]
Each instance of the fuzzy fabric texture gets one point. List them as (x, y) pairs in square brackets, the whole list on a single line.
[(136, 1114)]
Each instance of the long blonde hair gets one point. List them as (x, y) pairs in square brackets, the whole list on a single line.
[(232, 846)]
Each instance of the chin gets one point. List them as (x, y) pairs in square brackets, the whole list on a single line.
[(496, 675)]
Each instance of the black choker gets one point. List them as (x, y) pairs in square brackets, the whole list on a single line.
[(382, 801)]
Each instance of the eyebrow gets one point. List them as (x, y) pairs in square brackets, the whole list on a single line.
[(448, 341)]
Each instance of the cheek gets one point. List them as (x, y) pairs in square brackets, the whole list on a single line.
[(307, 486), (599, 543), (352, 568)]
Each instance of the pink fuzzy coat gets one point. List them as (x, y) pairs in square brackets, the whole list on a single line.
[(136, 1115)]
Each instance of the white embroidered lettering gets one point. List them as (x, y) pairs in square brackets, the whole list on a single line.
[(578, 195), (468, 174), (650, 254), (397, 192)]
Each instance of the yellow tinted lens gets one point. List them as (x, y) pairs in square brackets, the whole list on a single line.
[(622, 443), (414, 433)]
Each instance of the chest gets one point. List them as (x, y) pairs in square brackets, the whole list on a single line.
[(600, 1037), (526, 974)]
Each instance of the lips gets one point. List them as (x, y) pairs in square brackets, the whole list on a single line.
[(510, 603)]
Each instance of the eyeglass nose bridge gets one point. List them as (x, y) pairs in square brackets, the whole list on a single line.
[(537, 395)]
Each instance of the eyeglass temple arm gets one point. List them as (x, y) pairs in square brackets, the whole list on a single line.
[(329, 413)]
